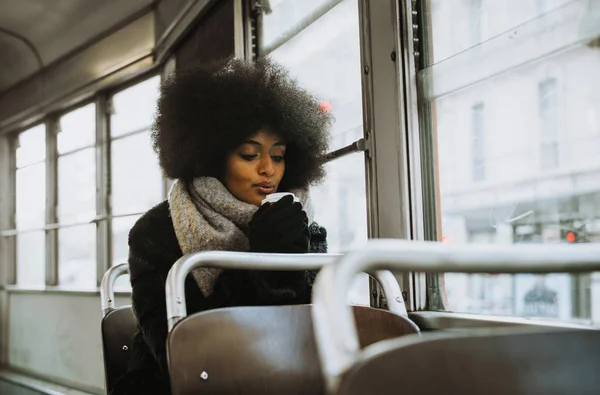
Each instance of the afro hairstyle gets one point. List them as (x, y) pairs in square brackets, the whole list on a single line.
[(207, 111)]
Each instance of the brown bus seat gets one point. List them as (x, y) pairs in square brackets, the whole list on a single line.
[(549, 363), (118, 328), (261, 350)]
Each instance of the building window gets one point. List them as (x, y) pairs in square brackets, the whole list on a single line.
[(543, 6), (76, 208), (30, 212), (549, 123), (477, 114), (476, 17)]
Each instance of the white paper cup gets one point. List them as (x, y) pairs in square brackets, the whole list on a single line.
[(272, 198)]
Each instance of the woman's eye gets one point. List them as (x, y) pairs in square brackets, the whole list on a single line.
[(248, 157), (277, 158)]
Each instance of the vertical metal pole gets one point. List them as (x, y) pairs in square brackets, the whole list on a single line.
[(8, 196), (238, 29), (7, 244), (52, 129), (169, 70), (103, 232)]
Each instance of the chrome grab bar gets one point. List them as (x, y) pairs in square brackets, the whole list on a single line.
[(107, 292), (337, 339), (175, 284)]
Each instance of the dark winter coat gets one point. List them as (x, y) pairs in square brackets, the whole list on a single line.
[(153, 248)]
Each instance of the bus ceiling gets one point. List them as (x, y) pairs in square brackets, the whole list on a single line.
[(34, 36)]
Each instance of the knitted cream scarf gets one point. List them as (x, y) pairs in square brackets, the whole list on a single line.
[(207, 217)]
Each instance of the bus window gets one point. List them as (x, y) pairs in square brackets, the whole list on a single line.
[(137, 183), (512, 90), (31, 206), (318, 42), (136, 180), (76, 206)]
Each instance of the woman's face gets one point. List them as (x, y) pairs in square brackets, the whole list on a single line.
[(255, 168)]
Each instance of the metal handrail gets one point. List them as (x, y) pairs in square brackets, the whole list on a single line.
[(107, 292), (175, 284), (359, 145), (336, 335)]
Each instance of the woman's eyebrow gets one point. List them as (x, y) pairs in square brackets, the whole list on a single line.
[(253, 142)]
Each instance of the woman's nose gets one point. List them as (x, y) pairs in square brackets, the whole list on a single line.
[(266, 167)]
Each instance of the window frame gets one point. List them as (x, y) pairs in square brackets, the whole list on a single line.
[(8, 170)]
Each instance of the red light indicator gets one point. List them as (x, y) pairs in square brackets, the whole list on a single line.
[(325, 106), (571, 237)]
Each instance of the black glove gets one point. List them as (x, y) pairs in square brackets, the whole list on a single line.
[(281, 227)]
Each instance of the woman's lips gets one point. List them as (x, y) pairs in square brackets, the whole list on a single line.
[(265, 188), (264, 191)]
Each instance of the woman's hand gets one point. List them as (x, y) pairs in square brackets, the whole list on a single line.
[(281, 227)]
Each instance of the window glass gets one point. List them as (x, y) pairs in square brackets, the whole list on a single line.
[(340, 206), (31, 259), (535, 132), (481, 20), (137, 182), (134, 108), (31, 196), (340, 203), (77, 256), (31, 146), (281, 17), (325, 59), (77, 129), (77, 186)]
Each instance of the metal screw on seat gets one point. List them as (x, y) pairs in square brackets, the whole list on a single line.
[(125, 348), (204, 376)]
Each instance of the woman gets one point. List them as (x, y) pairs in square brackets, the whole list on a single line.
[(230, 134)]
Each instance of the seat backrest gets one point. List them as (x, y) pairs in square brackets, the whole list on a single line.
[(118, 328), (550, 363), (260, 350)]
